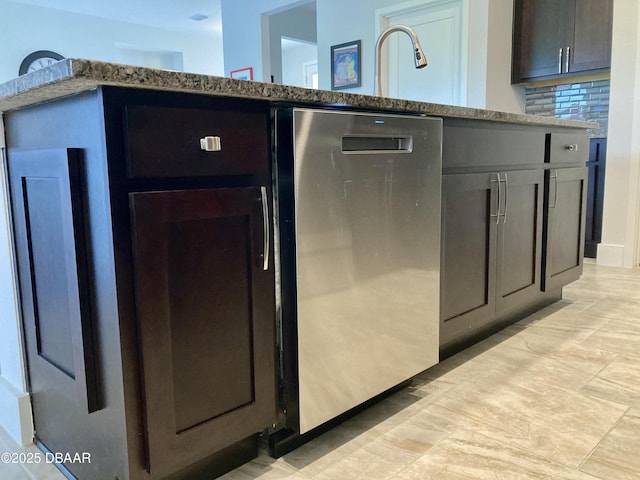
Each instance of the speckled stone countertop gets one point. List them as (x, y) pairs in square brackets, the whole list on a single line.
[(71, 76)]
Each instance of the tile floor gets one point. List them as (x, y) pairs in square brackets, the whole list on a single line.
[(555, 396)]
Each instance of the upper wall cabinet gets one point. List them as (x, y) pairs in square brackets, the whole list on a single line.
[(561, 38)]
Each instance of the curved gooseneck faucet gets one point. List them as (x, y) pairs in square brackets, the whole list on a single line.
[(418, 54)]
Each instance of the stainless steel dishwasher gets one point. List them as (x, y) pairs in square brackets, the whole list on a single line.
[(359, 250)]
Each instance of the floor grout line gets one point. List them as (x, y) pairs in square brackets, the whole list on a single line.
[(613, 427)]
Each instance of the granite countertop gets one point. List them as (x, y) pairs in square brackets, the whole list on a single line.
[(71, 76)]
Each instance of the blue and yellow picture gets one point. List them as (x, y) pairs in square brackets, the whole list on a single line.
[(345, 65)]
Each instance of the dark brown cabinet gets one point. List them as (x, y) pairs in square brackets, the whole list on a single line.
[(561, 38), (147, 279), (204, 305), (513, 214), (491, 247), (56, 303), (564, 235), (565, 209), (468, 253), (595, 196), (519, 238)]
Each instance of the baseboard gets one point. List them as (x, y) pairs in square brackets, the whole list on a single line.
[(15, 413), (610, 255)]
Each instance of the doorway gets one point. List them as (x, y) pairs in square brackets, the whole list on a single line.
[(291, 41), (438, 25), (299, 63)]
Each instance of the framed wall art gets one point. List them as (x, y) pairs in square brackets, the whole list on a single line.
[(345, 65), (242, 73)]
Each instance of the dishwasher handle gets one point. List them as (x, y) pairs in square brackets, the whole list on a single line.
[(372, 144)]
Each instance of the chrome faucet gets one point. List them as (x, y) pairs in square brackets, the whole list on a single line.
[(418, 53)]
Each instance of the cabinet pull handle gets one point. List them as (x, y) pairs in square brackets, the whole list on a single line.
[(210, 144), (265, 227), (554, 176), (560, 61), (573, 147), (506, 198), (567, 60), (498, 214)]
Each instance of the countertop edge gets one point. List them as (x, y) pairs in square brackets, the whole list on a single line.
[(72, 76)]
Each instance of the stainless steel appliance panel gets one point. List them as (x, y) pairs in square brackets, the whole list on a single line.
[(367, 232)]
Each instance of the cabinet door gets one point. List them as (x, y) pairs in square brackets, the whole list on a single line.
[(519, 247), (467, 275), (559, 37), (52, 264), (205, 307), (565, 226), (541, 29), (592, 35)]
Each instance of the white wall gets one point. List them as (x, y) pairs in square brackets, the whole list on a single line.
[(243, 31), (293, 60), (26, 28), (342, 21), (10, 364), (621, 221), (299, 23), (499, 94), (339, 21), (489, 38), (489, 47)]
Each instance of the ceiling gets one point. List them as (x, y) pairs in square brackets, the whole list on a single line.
[(168, 14)]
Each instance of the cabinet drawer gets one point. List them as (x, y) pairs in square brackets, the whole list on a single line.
[(165, 142), (482, 144), (569, 148)]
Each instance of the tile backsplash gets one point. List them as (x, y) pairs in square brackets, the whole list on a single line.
[(576, 101)]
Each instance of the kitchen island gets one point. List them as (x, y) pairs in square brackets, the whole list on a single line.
[(144, 199)]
